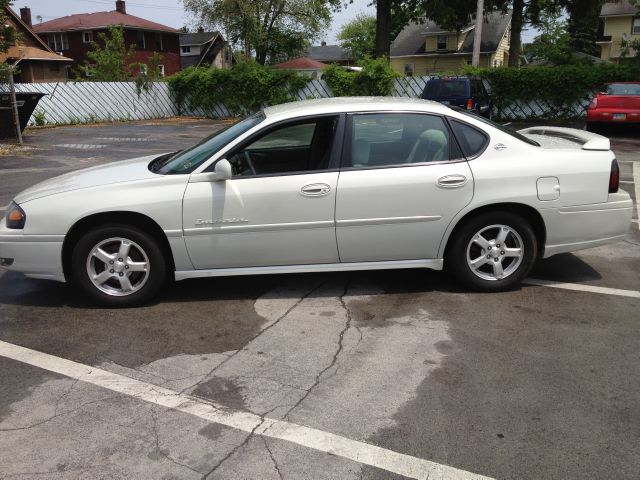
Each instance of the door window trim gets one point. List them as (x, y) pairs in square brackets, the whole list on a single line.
[(345, 163), (334, 158)]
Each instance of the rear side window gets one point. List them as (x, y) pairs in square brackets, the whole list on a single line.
[(472, 141)]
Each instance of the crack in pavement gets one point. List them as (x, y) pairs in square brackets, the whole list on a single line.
[(261, 332), (273, 459), (154, 418), (335, 355)]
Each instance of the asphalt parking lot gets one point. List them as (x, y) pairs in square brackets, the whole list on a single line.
[(369, 375)]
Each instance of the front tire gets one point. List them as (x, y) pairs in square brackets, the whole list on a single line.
[(492, 252), (118, 266)]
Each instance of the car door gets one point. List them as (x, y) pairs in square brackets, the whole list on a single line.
[(403, 180), (279, 206)]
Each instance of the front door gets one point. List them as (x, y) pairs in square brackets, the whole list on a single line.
[(278, 209), (402, 183)]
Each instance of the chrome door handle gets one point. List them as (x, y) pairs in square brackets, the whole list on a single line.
[(452, 181), (315, 190)]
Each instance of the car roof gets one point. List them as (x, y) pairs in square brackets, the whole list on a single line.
[(353, 104)]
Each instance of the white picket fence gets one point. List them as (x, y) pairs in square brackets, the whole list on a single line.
[(89, 102)]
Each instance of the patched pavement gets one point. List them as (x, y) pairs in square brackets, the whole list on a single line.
[(534, 383)]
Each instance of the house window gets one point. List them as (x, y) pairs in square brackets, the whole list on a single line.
[(58, 42), (159, 42), (186, 49), (408, 69), (226, 55), (141, 44), (87, 37), (442, 42), (635, 29), (161, 70)]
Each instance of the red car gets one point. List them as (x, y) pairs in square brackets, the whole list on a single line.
[(619, 102)]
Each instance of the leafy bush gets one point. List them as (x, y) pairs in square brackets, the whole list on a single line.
[(245, 88), (376, 78), (560, 86), (39, 117)]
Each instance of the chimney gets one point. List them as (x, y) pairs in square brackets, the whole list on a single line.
[(121, 7), (25, 15), (323, 44)]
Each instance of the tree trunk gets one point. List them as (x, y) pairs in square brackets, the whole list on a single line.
[(515, 43), (383, 28)]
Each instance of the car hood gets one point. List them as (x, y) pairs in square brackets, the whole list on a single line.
[(116, 172)]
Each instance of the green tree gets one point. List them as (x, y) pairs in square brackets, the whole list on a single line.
[(267, 27), (582, 25), (109, 57), (554, 42), (7, 33), (359, 36)]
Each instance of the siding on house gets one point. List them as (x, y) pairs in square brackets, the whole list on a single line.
[(427, 65), (615, 27)]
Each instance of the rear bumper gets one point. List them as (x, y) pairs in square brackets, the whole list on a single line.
[(37, 256), (586, 226), (606, 115)]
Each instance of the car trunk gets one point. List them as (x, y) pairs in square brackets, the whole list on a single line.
[(623, 102)]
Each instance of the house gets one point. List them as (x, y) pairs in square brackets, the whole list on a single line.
[(304, 66), (619, 22), (73, 36), (37, 62), (329, 54), (205, 48), (425, 48)]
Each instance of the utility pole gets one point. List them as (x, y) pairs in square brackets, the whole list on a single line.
[(477, 34), (14, 102)]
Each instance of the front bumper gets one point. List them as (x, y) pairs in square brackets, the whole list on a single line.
[(37, 256), (586, 226)]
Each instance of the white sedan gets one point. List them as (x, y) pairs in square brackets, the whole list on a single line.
[(324, 185)]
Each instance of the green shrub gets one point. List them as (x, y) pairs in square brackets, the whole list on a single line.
[(245, 88), (376, 78), (560, 87), (39, 117)]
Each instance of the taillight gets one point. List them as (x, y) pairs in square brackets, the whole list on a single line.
[(614, 177), (470, 104), (594, 103)]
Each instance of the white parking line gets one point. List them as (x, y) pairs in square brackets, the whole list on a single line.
[(582, 288), (636, 180), (330, 443)]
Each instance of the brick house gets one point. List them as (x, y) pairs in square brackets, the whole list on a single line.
[(37, 62), (73, 35)]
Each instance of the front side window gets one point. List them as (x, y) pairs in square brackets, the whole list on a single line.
[(188, 160), (297, 147), (386, 139)]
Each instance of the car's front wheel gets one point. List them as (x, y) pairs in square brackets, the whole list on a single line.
[(118, 266), (492, 252)]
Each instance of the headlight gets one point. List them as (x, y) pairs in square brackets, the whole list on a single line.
[(15, 216)]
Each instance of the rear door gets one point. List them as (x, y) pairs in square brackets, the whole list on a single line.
[(402, 181)]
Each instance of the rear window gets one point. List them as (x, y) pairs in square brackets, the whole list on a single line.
[(445, 89), (623, 89)]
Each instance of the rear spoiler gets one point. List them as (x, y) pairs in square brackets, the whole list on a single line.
[(588, 140)]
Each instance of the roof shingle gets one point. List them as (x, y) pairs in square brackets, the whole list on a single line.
[(88, 21)]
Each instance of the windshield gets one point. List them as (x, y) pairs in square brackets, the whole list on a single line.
[(623, 89), (188, 160), (502, 128), (446, 88)]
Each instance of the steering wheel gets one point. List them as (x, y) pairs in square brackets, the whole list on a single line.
[(247, 157)]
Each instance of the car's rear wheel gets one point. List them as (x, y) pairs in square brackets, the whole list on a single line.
[(118, 266), (492, 252)]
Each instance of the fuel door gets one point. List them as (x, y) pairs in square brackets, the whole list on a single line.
[(548, 188)]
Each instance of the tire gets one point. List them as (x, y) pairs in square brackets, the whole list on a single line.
[(476, 242), (111, 280)]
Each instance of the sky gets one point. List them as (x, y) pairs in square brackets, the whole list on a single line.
[(171, 12)]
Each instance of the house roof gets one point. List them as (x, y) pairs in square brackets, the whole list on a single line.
[(197, 38), (621, 8), (411, 40), (328, 53), (24, 52), (90, 21), (302, 63)]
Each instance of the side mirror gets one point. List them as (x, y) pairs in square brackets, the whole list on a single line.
[(221, 171)]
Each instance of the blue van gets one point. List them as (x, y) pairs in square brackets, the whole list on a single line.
[(463, 92)]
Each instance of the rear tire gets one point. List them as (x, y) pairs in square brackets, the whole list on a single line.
[(492, 252), (118, 266)]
